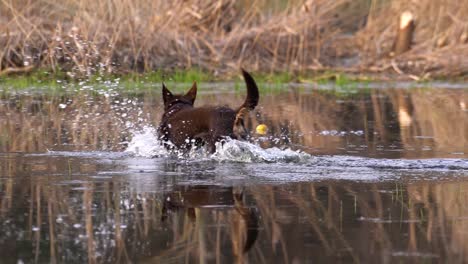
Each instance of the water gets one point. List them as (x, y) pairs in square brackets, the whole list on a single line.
[(374, 175)]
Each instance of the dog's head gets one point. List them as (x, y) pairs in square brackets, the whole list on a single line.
[(171, 99)]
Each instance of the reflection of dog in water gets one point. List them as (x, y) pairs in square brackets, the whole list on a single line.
[(245, 222), (184, 125)]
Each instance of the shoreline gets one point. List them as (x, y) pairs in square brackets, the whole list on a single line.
[(139, 81)]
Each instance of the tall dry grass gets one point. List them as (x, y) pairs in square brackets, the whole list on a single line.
[(440, 43), (86, 37)]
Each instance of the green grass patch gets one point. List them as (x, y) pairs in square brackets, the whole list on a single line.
[(33, 79), (177, 76), (45, 79), (180, 80)]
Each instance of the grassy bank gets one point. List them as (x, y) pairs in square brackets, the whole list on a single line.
[(81, 39), (178, 80), (50, 80)]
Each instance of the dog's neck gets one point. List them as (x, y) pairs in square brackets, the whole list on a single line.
[(176, 106)]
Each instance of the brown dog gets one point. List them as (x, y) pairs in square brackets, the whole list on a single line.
[(184, 125)]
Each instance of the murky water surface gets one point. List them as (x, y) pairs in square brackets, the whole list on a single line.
[(376, 175)]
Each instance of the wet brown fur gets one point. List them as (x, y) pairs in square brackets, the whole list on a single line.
[(184, 125)]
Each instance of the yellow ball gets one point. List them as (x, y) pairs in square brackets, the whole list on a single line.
[(261, 129)]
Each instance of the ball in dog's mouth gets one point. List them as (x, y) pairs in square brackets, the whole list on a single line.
[(261, 129)]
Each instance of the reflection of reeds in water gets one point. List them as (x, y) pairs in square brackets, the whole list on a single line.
[(435, 117), (109, 221), (425, 121), (435, 128), (443, 210), (35, 124), (413, 220)]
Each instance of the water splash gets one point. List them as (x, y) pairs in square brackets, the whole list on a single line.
[(240, 151), (145, 143)]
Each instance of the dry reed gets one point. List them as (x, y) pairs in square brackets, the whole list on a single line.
[(85, 37), (440, 43)]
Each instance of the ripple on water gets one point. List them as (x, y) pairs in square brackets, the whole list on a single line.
[(145, 154)]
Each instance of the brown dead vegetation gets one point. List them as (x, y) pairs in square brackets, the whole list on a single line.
[(87, 37)]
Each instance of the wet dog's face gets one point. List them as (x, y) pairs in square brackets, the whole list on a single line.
[(171, 99)]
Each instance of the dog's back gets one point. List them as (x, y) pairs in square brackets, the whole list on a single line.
[(184, 125), (198, 125)]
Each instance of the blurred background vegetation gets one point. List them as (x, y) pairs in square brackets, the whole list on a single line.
[(81, 38)]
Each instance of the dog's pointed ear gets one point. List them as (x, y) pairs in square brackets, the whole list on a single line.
[(192, 93), (167, 95)]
